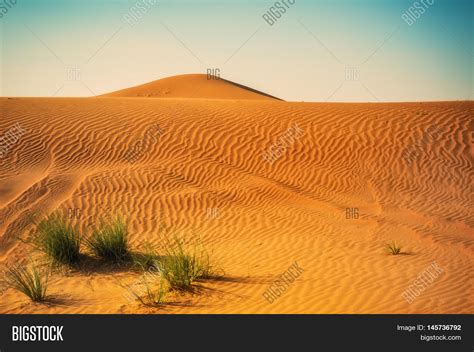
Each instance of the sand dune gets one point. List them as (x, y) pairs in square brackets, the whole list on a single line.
[(193, 86), (209, 155)]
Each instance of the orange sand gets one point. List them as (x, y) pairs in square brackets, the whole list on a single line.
[(269, 215)]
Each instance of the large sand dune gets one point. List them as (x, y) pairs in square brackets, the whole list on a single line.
[(193, 86), (198, 154)]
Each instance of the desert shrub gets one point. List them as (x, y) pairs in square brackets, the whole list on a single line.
[(58, 239), (110, 240), (28, 280)]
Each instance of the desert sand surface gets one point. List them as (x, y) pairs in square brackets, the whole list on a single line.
[(208, 155)]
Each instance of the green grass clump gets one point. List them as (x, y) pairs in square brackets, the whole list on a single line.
[(27, 280), (393, 248), (182, 266), (149, 295), (58, 239), (110, 241)]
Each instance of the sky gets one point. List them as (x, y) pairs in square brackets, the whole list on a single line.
[(318, 50)]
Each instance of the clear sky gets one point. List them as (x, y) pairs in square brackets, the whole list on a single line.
[(319, 50)]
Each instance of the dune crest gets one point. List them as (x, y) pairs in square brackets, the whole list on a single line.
[(192, 86)]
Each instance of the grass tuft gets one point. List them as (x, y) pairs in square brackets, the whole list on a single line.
[(393, 248), (58, 239), (150, 296), (28, 280), (110, 241), (182, 266)]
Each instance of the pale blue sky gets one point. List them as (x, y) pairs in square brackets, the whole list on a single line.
[(358, 50)]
